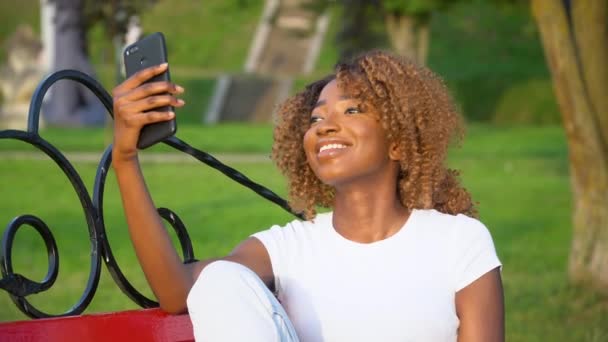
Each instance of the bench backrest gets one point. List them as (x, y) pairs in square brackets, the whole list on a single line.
[(138, 325)]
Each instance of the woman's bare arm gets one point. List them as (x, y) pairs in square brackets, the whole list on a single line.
[(168, 277), (480, 307)]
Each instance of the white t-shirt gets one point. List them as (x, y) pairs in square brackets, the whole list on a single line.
[(398, 289)]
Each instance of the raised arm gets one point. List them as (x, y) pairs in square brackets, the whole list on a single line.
[(168, 277), (480, 308)]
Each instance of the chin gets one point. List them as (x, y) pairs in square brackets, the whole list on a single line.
[(333, 178)]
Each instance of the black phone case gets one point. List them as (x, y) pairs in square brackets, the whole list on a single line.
[(150, 51)]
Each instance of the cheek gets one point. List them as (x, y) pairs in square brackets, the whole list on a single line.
[(376, 139), (309, 143)]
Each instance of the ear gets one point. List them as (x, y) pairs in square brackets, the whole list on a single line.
[(394, 152)]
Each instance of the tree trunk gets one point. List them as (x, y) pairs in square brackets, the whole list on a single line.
[(423, 33), (409, 36), (576, 52), (357, 33), (72, 104)]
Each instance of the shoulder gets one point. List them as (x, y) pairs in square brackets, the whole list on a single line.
[(466, 244), (286, 244), (459, 227), (296, 230), (456, 235)]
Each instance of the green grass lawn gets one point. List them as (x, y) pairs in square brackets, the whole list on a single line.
[(519, 176), (233, 137)]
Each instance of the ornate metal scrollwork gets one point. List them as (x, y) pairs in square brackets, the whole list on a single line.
[(19, 286)]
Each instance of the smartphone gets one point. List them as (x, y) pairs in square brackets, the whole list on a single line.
[(150, 51)]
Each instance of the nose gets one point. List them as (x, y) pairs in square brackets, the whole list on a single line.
[(328, 126)]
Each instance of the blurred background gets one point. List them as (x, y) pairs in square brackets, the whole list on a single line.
[(238, 59)]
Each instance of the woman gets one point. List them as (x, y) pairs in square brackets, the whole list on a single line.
[(399, 258)]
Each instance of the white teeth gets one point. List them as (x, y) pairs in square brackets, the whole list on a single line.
[(331, 146)]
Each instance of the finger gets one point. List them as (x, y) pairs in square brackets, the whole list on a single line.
[(151, 88), (152, 102), (140, 77), (152, 117)]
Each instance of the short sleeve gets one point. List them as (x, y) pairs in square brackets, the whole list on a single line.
[(476, 254), (273, 240)]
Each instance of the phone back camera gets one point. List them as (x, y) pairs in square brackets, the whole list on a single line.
[(132, 50)]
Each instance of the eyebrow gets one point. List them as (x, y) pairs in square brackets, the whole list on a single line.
[(319, 104), (322, 102)]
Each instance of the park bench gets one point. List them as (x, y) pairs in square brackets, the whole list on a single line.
[(147, 324)]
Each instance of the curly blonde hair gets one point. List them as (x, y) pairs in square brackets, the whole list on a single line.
[(417, 113)]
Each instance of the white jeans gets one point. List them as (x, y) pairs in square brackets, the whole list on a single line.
[(229, 302)]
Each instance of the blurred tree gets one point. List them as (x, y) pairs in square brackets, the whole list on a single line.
[(359, 23), (408, 25), (114, 16), (574, 36), (71, 104)]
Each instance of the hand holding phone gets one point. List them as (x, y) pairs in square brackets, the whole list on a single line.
[(150, 51)]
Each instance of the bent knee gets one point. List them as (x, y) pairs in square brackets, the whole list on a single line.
[(218, 279), (222, 271)]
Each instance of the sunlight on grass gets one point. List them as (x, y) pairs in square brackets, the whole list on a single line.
[(518, 175)]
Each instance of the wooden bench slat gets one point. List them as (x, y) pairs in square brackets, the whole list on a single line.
[(135, 325)]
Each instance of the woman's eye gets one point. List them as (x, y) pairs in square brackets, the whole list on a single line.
[(352, 110), (314, 119)]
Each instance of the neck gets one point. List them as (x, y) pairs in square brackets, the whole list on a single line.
[(368, 213)]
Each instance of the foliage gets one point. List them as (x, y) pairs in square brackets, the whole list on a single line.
[(15, 13), (487, 53), (542, 110), (415, 7), (113, 15)]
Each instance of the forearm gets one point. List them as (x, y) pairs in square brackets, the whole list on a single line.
[(169, 279)]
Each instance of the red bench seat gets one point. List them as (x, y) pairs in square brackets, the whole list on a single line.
[(136, 325)]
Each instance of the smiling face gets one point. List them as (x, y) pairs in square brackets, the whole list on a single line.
[(346, 142)]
